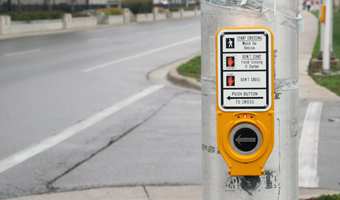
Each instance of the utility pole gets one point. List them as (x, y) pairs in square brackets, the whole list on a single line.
[(19, 6), (327, 38), (280, 180), (322, 33), (72, 6), (49, 5)]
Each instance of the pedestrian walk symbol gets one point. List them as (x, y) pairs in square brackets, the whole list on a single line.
[(230, 43)]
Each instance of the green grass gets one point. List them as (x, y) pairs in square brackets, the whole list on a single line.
[(336, 34), (317, 42), (329, 197), (191, 69), (332, 82)]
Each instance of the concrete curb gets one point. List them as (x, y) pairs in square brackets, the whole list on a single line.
[(162, 76), (183, 81)]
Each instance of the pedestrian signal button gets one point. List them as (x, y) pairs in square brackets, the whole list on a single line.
[(245, 139)]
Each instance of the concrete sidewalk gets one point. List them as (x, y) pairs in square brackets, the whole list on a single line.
[(192, 192), (308, 90)]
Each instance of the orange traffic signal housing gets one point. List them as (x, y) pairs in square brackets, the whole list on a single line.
[(245, 98)]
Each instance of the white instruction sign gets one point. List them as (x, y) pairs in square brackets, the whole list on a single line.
[(244, 66)]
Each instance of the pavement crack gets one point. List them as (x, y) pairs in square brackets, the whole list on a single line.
[(50, 186), (146, 192)]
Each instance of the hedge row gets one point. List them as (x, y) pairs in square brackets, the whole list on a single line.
[(175, 9), (138, 6), (111, 11), (39, 15), (28, 16)]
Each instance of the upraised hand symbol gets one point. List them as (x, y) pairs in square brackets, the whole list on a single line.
[(230, 81), (230, 61)]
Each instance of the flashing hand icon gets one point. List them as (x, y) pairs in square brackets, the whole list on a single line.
[(230, 62)]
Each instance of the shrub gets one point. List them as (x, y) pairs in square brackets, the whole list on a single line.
[(188, 8), (138, 6), (329, 197), (111, 11), (38, 15), (160, 10), (56, 14), (174, 9), (77, 15)]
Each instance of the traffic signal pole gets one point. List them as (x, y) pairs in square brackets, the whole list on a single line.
[(331, 53), (327, 37), (225, 179)]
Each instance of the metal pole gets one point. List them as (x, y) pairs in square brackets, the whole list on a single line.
[(322, 32), (322, 28), (326, 47), (281, 169)]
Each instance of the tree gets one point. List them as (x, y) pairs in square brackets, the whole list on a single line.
[(9, 4), (72, 6), (19, 6)]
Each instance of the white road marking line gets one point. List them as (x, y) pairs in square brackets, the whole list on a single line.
[(142, 32), (21, 156), (178, 27), (308, 150), (97, 39), (170, 27), (139, 55), (23, 52)]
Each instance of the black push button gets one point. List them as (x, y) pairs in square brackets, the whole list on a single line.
[(245, 139)]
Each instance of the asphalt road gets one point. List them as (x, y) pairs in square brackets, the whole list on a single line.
[(64, 84), (327, 143)]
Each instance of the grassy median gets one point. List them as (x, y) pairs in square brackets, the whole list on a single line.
[(332, 82), (329, 197), (336, 34), (191, 69)]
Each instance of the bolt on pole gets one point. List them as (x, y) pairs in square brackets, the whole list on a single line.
[(280, 180)]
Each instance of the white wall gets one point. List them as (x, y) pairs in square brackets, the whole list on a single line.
[(35, 26), (147, 17)]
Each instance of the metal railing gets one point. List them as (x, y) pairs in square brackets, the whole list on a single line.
[(44, 7)]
